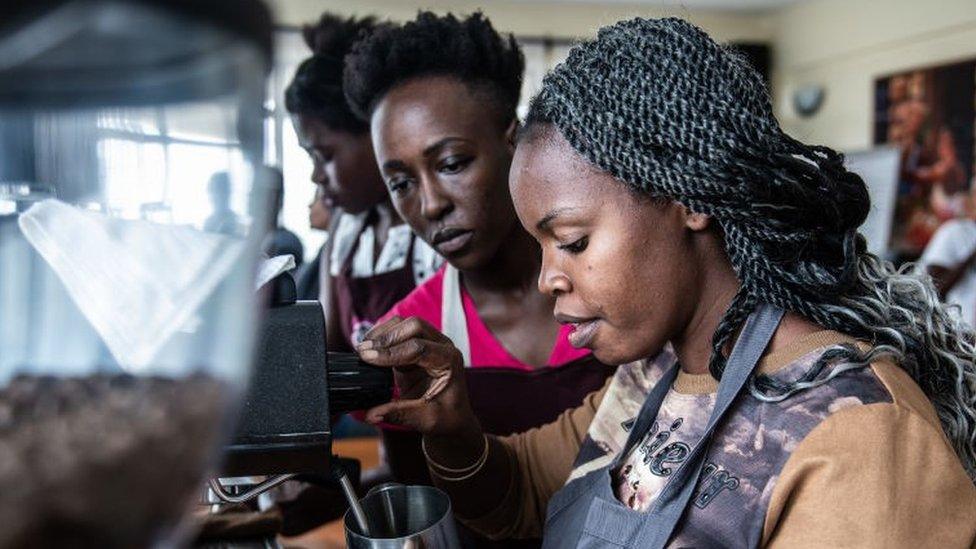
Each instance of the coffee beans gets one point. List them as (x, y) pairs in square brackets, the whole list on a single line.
[(102, 461)]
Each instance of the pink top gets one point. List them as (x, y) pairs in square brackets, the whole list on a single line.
[(425, 302)]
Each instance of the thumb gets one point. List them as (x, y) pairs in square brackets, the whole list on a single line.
[(397, 412)]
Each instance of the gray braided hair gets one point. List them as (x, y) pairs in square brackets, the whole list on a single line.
[(663, 108)]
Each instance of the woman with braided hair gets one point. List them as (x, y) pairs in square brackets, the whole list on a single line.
[(819, 397)]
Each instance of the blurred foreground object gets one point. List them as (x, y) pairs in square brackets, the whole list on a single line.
[(125, 331)]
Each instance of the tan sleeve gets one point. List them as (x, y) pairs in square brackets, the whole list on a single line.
[(878, 475), (541, 459)]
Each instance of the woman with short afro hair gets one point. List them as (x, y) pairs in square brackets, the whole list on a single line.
[(440, 94)]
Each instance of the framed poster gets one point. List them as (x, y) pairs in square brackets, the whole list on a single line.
[(928, 115)]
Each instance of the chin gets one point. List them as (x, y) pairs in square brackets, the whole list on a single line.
[(468, 261), (614, 356), (619, 354)]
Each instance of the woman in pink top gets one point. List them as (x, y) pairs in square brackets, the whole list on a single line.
[(440, 297), (440, 95)]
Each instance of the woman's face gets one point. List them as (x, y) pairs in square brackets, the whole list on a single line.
[(625, 270), (445, 160), (343, 165)]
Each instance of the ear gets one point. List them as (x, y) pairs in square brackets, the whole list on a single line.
[(511, 133), (694, 220)]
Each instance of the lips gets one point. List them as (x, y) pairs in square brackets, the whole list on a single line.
[(584, 329), (452, 240)]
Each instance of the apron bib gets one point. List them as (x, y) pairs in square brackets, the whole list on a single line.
[(586, 513), (361, 301)]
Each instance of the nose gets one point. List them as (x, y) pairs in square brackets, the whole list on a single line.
[(319, 177), (434, 204), (553, 280)]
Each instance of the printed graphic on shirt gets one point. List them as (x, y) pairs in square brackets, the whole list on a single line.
[(744, 459), (650, 464), (622, 402)]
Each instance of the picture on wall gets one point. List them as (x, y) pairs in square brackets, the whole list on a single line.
[(928, 114)]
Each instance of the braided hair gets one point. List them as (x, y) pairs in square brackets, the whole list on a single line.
[(664, 109), (317, 90)]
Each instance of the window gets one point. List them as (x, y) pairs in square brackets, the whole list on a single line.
[(156, 162)]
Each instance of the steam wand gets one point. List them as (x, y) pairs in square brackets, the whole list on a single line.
[(357, 510)]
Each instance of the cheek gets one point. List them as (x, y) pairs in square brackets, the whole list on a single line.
[(408, 206), (606, 278)]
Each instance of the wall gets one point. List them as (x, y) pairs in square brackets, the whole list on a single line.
[(532, 18), (845, 45)]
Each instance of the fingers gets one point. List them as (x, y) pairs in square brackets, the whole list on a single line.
[(398, 330), (429, 355), (438, 386), (379, 331), (396, 412)]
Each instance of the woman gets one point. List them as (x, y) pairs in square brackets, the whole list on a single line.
[(440, 94), (319, 218), (673, 212), (374, 260)]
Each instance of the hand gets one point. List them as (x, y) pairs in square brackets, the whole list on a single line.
[(428, 370)]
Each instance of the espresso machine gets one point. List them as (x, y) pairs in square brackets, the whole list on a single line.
[(284, 430)]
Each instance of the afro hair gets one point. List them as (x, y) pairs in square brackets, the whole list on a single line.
[(468, 49), (316, 89)]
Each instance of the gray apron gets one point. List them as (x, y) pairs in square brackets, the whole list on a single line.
[(586, 513)]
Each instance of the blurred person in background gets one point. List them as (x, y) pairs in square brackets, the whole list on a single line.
[(223, 220), (373, 259), (950, 258), (281, 241), (320, 217)]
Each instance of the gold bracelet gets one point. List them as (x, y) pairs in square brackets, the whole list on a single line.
[(464, 473)]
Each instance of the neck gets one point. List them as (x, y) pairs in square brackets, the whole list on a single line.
[(515, 267), (694, 345)]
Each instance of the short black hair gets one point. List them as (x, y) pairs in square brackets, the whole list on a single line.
[(316, 89), (468, 49)]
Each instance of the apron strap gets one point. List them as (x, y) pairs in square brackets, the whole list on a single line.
[(670, 505), (453, 322)]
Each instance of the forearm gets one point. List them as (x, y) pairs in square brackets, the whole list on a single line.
[(946, 278), (486, 489), (509, 495)]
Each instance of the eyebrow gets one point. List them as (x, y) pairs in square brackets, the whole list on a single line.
[(543, 224), (396, 165), (431, 149), (427, 152)]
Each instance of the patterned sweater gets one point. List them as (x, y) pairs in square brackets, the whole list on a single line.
[(858, 462)]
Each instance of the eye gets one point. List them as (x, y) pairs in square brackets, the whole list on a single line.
[(577, 246), (398, 185), (453, 164), (323, 156)]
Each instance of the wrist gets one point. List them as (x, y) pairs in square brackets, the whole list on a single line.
[(456, 450)]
